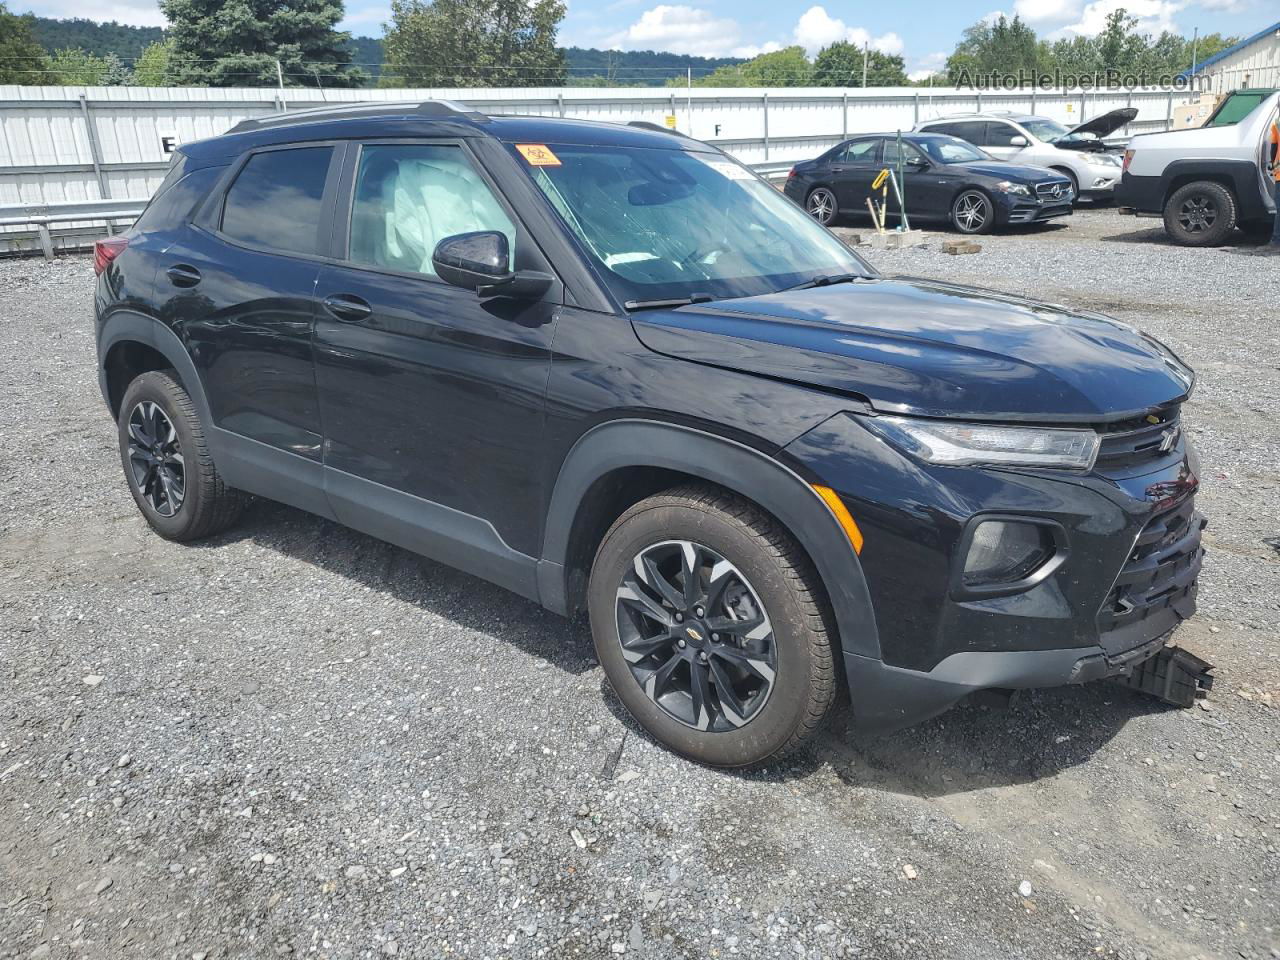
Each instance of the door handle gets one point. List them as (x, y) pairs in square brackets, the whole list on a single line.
[(183, 275), (348, 307), (837, 169)]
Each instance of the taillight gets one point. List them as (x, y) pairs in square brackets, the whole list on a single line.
[(791, 174), (104, 251), (1128, 158)]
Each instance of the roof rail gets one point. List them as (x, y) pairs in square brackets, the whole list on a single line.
[(422, 108)]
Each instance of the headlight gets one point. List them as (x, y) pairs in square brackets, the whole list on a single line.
[(955, 444), (1008, 186), (1104, 160)]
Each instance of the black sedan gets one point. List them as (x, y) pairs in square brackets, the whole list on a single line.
[(943, 178)]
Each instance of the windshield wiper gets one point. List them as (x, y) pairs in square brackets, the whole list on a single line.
[(673, 302), (825, 280)]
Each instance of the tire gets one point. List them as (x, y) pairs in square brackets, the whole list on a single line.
[(777, 658), (972, 212), (821, 205), (1200, 214), (167, 463)]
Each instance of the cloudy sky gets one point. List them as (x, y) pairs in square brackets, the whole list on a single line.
[(923, 31)]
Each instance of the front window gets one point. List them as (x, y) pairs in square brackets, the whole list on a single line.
[(1050, 131), (670, 224), (952, 150)]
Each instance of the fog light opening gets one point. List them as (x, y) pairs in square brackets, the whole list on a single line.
[(1005, 552)]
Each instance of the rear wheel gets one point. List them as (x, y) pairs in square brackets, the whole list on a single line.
[(1200, 214), (167, 463), (972, 212), (709, 622), (821, 204)]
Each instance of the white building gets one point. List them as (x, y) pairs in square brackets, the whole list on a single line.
[(1254, 62)]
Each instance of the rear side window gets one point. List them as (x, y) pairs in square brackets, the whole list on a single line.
[(275, 199), (171, 205), (863, 151), (973, 131)]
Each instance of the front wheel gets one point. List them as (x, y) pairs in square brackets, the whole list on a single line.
[(972, 212), (1201, 214), (167, 463), (710, 624), (821, 205)]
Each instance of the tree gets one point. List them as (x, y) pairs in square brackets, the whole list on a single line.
[(115, 73), (840, 65), (1001, 47), (151, 69), (237, 43), (22, 59), (72, 67), (458, 43), (788, 67)]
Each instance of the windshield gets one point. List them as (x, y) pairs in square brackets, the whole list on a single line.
[(670, 224), (951, 150), (1047, 130)]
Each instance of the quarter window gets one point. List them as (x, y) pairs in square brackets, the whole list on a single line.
[(409, 197), (275, 199)]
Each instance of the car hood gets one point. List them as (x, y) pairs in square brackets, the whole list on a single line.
[(927, 348), (1106, 123), (1008, 171)]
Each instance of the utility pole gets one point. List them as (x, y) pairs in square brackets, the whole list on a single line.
[(1195, 42), (280, 80), (866, 48)]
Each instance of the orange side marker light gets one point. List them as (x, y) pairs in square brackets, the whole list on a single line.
[(847, 523)]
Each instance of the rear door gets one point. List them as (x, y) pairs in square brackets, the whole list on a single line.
[(852, 172), (239, 286), (431, 397)]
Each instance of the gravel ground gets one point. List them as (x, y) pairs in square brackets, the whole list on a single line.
[(297, 740)]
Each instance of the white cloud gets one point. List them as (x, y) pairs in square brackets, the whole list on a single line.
[(817, 29), (139, 13), (1226, 6), (1039, 11), (991, 18), (1154, 16), (927, 65), (754, 50), (679, 29)]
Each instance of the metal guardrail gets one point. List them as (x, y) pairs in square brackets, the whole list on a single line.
[(41, 215)]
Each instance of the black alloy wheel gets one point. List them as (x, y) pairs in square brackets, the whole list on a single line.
[(696, 636), (1200, 214), (155, 458), (821, 205)]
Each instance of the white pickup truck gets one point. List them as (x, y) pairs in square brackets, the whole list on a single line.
[(1205, 182)]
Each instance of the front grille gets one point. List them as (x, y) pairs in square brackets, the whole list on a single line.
[(1054, 190), (1156, 588), (1140, 439)]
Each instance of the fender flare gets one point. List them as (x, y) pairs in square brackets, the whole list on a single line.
[(742, 469), (126, 326), (1241, 173)]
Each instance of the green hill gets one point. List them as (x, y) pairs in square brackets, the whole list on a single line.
[(587, 67)]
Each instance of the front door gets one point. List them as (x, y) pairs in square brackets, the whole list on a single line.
[(431, 397), (998, 140), (925, 185)]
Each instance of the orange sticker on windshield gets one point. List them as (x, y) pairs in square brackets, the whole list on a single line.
[(538, 154)]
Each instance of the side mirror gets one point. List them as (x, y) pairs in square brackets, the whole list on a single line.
[(473, 260), (917, 163), (481, 261), (1017, 140)]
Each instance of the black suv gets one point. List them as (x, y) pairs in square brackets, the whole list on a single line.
[(609, 368)]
